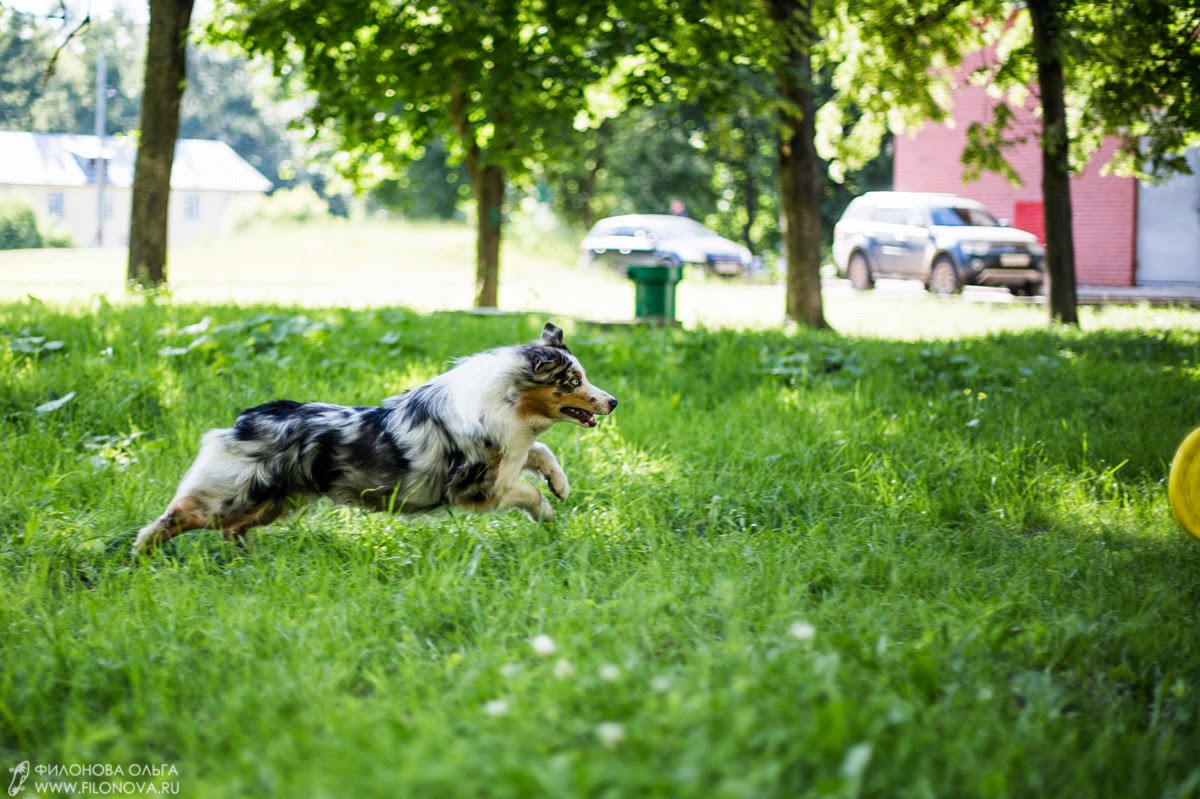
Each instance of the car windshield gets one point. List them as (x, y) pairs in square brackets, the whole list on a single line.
[(661, 227), (958, 217), (678, 228)]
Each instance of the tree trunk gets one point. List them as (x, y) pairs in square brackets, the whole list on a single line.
[(799, 167), (749, 190), (594, 163), (749, 186), (166, 51), (589, 188), (750, 201), (487, 185), (1056, 174)]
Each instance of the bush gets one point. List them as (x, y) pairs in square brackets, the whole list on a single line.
[(57, 239), (298, 206), (18, 227)]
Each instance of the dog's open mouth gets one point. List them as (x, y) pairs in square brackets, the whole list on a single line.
[(585, 418)]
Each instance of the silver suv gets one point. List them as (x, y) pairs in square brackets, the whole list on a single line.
[(942, 240)]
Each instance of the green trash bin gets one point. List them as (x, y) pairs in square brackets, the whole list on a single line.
[(654, 286)]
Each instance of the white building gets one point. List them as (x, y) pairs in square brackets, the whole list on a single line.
[(56, 174)]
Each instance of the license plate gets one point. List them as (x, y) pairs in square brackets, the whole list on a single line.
[(1014, 259)]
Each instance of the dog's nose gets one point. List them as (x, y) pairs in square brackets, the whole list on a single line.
[(612, 404)]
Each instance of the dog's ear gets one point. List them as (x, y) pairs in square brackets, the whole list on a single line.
[(553, 337), (544, 359)]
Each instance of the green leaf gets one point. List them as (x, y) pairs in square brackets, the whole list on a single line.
[(54, 405)]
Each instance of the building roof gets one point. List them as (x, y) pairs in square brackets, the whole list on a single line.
[(61, 159)]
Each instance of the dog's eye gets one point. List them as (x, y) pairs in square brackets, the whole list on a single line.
[(574, 382)]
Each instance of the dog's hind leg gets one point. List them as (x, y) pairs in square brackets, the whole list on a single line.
[(190, 513), (213, 493), (541, 460), (235, 529), (184, 514)]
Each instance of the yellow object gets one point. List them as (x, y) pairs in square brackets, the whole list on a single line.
[(1183, 486)]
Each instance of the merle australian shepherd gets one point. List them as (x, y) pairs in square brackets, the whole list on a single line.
[(463, 439)]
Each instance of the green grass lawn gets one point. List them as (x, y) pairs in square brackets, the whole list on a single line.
[(793, 564)]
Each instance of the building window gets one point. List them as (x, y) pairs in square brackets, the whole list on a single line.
[(57, 205), (191, 206)]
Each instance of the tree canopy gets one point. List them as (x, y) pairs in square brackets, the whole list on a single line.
[(501, 84)]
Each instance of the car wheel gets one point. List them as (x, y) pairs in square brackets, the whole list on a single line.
[(859, 272), (943, 276)]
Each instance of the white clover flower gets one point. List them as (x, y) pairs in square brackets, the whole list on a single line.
[(510, 670), (563, 669), (611, 734), (610, 672), (802, 631), (543, 645), (660, 684), (496, 708)]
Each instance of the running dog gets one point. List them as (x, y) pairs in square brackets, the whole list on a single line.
[(463, 440)]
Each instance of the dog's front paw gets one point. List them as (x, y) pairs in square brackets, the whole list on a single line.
[(545, 512), (559, 485)]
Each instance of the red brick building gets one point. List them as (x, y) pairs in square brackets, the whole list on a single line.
[(1126, 233)]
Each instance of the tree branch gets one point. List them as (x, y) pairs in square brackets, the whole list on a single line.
[(49, 73)]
